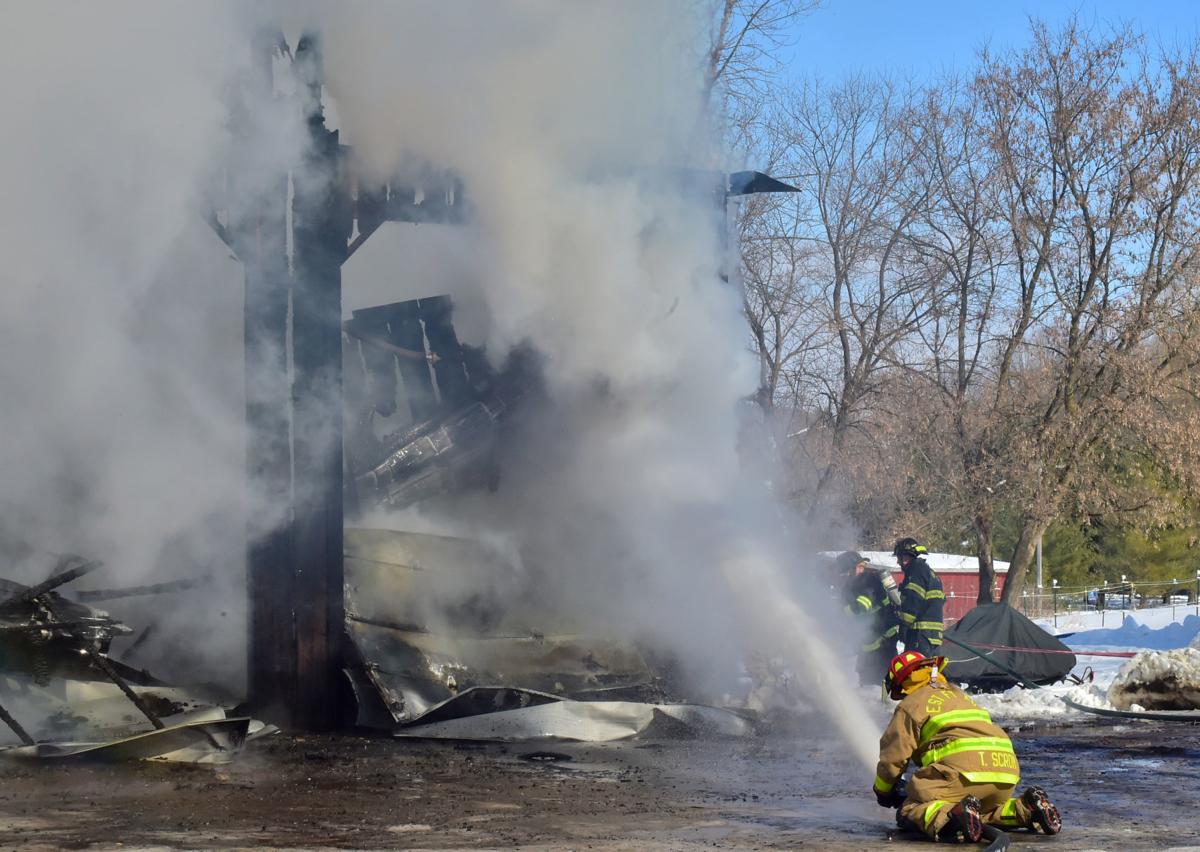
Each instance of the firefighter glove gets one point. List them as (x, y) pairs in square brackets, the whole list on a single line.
[(890, 799)]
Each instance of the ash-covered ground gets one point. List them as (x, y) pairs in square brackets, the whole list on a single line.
[(1119, 787)]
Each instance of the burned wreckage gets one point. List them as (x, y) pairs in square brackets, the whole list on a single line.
[(428, 652), (56, 672), (431, 652), (412, 659), (425, 652), (382, 629)]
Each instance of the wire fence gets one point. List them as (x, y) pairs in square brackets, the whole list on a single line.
[(1113, 599)]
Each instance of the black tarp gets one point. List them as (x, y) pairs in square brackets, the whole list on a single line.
[(999, 624)]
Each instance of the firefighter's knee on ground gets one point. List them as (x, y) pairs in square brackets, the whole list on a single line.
[(926, 817)]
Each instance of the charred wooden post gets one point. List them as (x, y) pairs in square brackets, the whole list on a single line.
[(294, 444), (15, 726), (257, 231), (322, 224)]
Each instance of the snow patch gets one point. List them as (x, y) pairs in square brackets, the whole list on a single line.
[(1019, 705), (1088, 620), (1138, 635)]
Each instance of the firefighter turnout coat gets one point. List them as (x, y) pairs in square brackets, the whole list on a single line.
[(921, 602), (867, 601), (959, 752)]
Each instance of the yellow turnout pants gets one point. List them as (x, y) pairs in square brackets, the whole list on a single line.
[(935, 789)]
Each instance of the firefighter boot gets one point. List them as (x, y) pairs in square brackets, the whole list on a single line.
[(1045, 815), (965, 824)]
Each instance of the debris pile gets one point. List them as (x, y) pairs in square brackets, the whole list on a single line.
[(405, 359), (1159, 680), (440, 647), (63, 698)]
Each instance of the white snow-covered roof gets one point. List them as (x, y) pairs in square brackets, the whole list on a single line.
[(942, 563)]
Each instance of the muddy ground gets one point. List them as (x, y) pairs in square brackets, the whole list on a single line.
[(1119, 787)]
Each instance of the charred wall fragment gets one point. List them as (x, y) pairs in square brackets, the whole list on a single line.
[(407, 355)]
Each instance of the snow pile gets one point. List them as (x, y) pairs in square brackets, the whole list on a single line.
[(1159, 680), (1018, 705), (1131, 633)]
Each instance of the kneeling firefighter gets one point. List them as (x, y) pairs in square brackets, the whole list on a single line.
[(967, 771)]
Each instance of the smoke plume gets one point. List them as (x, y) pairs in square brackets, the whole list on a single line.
[(120, 326), (580, 134)]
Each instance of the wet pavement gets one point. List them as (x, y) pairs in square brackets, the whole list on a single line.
[(1119, 787)]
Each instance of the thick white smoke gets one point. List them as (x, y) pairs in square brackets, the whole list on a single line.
[(120, 311), (570, 124), (572, 127)]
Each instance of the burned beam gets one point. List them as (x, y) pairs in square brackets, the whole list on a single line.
[(59, 579), (258, 230), (140, 591), (322, 223), (294, 443), (15, 726)]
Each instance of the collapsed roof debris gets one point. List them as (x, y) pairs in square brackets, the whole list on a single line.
[(442, 641), (57, 677), (455, 400), (438, 649)]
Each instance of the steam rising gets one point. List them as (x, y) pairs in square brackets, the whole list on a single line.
[(120, 318), (571, 125)]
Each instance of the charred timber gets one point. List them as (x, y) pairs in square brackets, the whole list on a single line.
[(258, 232), (322, 224)]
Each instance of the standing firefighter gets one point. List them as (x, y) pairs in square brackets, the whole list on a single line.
[(921, 599), (967, 767), (868, 603)]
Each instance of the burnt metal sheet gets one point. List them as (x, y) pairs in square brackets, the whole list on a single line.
[(430, 616), (503, 713), (63, 698), (193, 741), (438, 649), (416, 670), (751, 183), (435, 457)]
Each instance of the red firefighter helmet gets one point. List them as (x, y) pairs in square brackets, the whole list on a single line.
[(903, 665)]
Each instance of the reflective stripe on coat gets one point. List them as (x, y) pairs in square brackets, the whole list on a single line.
[(939, 724)]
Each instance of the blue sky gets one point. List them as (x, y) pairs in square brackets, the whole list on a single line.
[(924, 37)]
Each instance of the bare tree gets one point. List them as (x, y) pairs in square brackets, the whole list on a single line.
[(741, 58), (851, 156), (1098, 148), (958, 245), (986, 296), (779, 302)]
